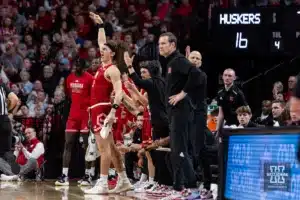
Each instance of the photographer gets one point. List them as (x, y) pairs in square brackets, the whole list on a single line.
[(29, 157)]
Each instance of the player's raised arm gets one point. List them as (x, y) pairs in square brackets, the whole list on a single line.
[(115, 76), (101, 32)]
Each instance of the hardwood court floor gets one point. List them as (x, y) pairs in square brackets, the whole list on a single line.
[(47, 191)]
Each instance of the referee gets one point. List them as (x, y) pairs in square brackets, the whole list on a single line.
[(181, 79), (8, 101)]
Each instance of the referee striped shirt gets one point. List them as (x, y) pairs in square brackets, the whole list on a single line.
[(4, 91)]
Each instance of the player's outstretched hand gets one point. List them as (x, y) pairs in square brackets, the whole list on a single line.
[(96, 18)]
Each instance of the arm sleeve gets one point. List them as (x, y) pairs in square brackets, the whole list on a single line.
[(242, 99), (144, 84), (297, 89), (193, 79), (36, 153)]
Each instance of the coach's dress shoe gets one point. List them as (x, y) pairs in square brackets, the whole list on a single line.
[(123, 185), (100, 187)]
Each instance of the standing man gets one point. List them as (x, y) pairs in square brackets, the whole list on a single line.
[(78, 87), (8, 100), (230, 98), (181, 79), (197, 138)]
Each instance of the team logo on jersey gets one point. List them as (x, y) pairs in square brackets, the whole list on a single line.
[(76, 87), (277, 176), (231, 98), (169, 70)]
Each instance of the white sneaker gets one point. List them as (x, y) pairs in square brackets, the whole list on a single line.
[(9, 178), (144, 187), (100, 187), (139, 184), (123, 185)]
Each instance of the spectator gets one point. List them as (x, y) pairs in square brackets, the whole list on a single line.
[(16, 89), (18, 20), (44, 20), (25, 85), (50, 81), (29, 157), (278, 108), (244, 116), (265, 117), (279, 97), (277, 88), (7, 30), (13, 63), (291, 86)]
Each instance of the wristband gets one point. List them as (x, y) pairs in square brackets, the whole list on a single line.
[(100, 26), (115, 106), (140, 113), (129, 66)]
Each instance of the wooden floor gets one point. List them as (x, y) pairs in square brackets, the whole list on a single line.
[(47, 191)]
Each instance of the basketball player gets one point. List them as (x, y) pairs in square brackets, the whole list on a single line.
[(78, 86), (106, 81)]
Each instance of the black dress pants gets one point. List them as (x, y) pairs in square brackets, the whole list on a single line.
[(199, 151), (130, 159), (5, 135), (182, 168)]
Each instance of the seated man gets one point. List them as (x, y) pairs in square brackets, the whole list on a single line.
[(28, 157), (131, 151), (244, 115)]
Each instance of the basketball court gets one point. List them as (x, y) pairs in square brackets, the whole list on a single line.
[(46, 190)]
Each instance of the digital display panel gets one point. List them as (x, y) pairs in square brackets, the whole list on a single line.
[(256, 31), (262, 167)]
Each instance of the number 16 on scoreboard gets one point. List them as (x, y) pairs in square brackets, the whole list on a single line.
[(240, 42)]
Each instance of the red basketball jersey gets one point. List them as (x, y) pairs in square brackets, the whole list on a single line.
[(101, 88), (78, 89)]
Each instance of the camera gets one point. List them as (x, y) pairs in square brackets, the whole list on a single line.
[(18, 138)]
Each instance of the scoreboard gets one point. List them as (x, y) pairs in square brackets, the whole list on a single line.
[(260, 164), (256, 31)]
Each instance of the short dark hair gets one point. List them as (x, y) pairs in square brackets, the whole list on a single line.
[(244, 109), (282, 103), (171, 37)]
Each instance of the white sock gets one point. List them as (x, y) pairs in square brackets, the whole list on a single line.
[(151, 179), (122, 175), (143, 178), (87, 171), (92, 171), (104, 178), (65, 171)]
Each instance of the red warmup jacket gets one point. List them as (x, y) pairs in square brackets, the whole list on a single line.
[(22, 160)]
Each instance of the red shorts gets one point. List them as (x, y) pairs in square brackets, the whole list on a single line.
[(98, 116), (75, 125)]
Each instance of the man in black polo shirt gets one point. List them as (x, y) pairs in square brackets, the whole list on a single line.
[(229, 98), (181, 79), (197, 135)]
